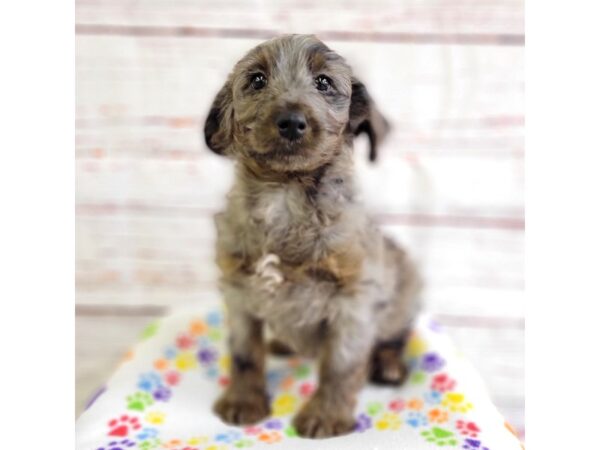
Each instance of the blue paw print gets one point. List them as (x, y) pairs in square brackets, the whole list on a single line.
[(212, 372), (274, 377), (149, 381), (204, 342), (147, 433), (228, 436), (170, 352), (433, 397), (214, 319), (416, 419)]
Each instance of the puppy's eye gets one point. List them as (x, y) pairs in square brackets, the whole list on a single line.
[(323, 83), (258, 81)]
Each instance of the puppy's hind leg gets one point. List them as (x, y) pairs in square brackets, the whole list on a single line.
[(387, 366)]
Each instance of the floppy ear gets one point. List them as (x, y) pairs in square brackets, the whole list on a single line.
[(366, 118), (218, 128)]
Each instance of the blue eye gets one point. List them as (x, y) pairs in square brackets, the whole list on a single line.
[(323, 83), (258, 81)]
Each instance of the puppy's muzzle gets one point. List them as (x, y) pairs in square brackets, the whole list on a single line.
[(291, 125)]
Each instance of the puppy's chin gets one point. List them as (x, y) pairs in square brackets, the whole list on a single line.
[(282, 155)]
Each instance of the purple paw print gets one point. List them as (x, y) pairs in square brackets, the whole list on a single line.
[(207, 356), (363, 423), (473, 444), (121, 445), (432, 362), (162, 394), (273, 424), (435, 326)]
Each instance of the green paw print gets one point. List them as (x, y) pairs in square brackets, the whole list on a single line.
[(439, 436), (291, 432), (215, 334), (302, 371), (243, 443), (139, 401), (418, 377), (150, 330), (149, 444), (374, 408)]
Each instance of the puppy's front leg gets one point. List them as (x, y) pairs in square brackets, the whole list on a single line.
[(245, 401), (343, 369)]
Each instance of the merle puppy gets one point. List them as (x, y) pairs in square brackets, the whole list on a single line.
[(298, 255)]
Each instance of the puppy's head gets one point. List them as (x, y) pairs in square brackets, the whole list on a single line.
[(290, 104)]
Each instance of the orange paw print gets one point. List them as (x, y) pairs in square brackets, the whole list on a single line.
[(197, 328), (415, 404), (269, 437), (173, 443), (438, 415), (161, 364)]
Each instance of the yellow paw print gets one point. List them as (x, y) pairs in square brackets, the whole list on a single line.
[(388, 421), (185, 361), (456, 402), (225, 363), (284, 404), (217, 447), (200, 440), (155, 418), (415, 347)]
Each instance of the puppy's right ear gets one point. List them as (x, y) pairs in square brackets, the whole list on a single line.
[(218, 128)]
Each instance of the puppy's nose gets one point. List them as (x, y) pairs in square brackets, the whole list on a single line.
[(291, 124)]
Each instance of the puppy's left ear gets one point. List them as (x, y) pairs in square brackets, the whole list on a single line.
[(366, 118)]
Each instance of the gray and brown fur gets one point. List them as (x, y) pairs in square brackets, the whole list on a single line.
[(298, 255)]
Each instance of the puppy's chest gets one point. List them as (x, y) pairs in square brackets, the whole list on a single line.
[(289, 222)]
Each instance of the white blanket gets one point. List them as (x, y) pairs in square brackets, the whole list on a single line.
[(161, 398)]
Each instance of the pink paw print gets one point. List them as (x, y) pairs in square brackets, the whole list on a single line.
[(172, 378), (442, 383), (122, 426), (184, 341), (306, 389), (253, 430), (469, 429), (396, 405)]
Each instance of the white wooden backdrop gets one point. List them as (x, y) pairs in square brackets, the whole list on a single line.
[(447, 73)]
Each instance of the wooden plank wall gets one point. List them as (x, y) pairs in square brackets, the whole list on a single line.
[(447, 73)]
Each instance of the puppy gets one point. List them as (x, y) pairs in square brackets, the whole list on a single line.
[(297, 253)]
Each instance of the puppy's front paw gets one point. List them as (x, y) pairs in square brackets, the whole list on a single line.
[(317, 420), (242, 408)]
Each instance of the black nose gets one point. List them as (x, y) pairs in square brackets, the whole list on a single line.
[(291, 124)]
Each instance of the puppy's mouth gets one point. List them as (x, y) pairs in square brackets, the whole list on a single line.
[(282, 150)]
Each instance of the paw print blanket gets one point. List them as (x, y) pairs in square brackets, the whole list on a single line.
[(162, 394)]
